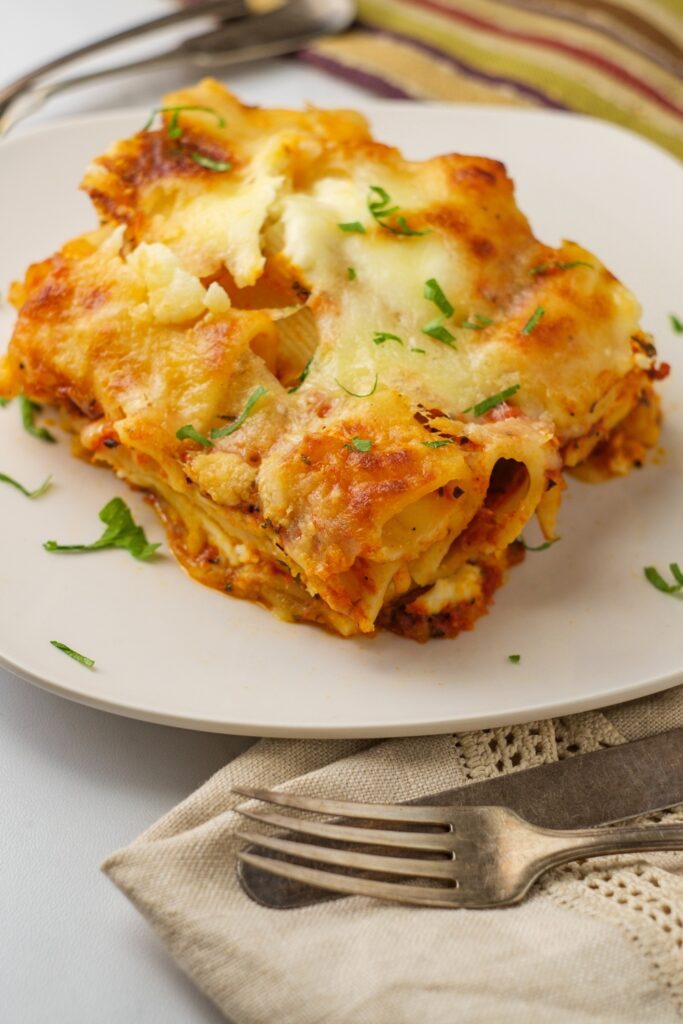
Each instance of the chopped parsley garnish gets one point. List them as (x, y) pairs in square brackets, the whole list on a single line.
[(514, 658), (355, 394), (543, 268), (438, 444), (352, 226), (174, 131), (490, 403), (39, 491), (420, 351), (436, 329), (188, 433), (82, 658), (302, 377), (256, 394), (351, 273), (209, 164), (379, 337), (121, 532), (541, 547), (403, 228), (574, 263), (676, 323), (360, 444), (4, 402), (28, 419), (477, 323), (533, 320), (667, 588), (434, 292), (381, 208)]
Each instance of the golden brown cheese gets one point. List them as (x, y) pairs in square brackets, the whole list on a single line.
[(276, 263)]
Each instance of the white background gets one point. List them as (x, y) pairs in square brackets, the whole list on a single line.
[(75, 783)]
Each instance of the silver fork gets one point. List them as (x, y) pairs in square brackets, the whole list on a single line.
[(473, 856), (239, 35)]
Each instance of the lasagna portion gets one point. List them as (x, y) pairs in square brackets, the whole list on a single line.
[(346, 380)]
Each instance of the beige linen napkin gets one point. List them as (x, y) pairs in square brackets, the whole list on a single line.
[(597, 941)]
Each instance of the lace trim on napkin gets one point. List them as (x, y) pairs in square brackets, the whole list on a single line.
[(645, 900)]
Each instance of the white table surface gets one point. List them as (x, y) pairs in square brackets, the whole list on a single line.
[(76, 783)]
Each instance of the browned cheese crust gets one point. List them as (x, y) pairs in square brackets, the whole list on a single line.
[(269, 271)]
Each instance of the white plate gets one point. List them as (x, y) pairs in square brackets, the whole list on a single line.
[(590, 630)]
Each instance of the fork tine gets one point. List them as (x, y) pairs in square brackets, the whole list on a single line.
[(437, 842), (395, 891), (437, 869), (349, 808)]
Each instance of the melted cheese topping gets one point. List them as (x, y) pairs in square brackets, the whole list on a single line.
[(206, 284)]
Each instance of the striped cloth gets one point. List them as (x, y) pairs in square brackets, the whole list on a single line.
[(617, 59)]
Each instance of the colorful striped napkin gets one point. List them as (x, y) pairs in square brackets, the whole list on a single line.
[(617, 59)]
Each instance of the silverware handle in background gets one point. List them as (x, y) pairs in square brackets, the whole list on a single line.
[(221, 9), (239, 36), (580, 792)]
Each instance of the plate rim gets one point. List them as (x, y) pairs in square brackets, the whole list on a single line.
[(427, 727)]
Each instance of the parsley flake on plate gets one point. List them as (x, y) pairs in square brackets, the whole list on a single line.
[(657, 581), (121, 532), (540, 547), (39, 491), (82, 658), (28, 411)]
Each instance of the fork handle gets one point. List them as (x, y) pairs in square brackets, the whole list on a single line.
[(596, 842), (218, 8)]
